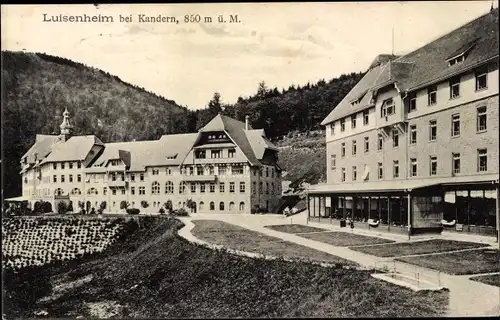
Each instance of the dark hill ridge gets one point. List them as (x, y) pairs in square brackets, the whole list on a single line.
[(37, 87)]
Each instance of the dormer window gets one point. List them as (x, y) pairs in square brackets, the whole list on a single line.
[(200, 154), (456, 60), (388, 108), (460, 55)]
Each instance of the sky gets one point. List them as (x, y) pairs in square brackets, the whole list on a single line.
[(278, 43)]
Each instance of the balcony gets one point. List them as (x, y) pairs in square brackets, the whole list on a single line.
[(118, 183), (200, 178)]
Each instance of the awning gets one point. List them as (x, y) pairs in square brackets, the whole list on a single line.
[(372, 187), (215, 145), (17, 199)]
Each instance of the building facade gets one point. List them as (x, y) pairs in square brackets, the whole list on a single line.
[(416, 140), (226, 167)]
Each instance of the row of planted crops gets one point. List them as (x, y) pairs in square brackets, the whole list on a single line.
[(35, 241)]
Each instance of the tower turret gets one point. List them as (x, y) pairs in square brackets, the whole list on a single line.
[(66, 126)]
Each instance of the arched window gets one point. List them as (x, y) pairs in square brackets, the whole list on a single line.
[(92, 192), (231, 206), (221, 206), (155, 188), (182, 188), (242, 206), (212, 206), (169, 187), (59, 192), (201, 207), (76, 192)]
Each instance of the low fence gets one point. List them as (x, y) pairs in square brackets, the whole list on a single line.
[(410, 274)]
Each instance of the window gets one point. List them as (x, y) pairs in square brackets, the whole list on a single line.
[(413, 134), (342, 125), (456, 163), (132, 177), (169, 187), (343, 174), (482, 160), (333, 161), (78, 164), (182, 188), (413, 169), (76, 191), (260, 187), (222, 186), (380, 170), (267, 172), (332, 128), (202, 188), (105, 191), (432, 95), (191, 171), (62, 165), (342, 149), (380, 143), (70, 178), (254, 187), (455, 125), (353, 147), (395, 169), (142, 190), (482, 79), (192, 187), (200, 154), (433, 166), (366, 118), (155, 172), (54, 165), (92, 192), (354, 173), (231, 187), (237, 169), (215, 154), (353, 122), (132, 190), (113, 176), (222, 170), (367, 144), (388, 108), (395, 138), (242, 187), (71, 165), (432, 130), (200, 171), (455, 87), (168, 171), (123, 191), (212, 206), (141, 177), (242, 206), (221, 206), (481, 119), (62, 178), (412, 103), (231, 153), (155, 188)]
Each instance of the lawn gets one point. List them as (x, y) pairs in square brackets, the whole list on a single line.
[(417, 247), (492, 279), (295, 228), (344, 239), (465, 262), (238, 238), (153, 273)]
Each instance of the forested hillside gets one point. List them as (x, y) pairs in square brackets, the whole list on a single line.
[(37, 87)]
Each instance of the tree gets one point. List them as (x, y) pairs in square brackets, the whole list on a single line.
[(124, 205), (262, 90), (144, 204), (70, 206), (168, 205), (61, 207), (215, 105)]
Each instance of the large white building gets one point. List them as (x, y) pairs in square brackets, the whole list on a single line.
[(225, 167)]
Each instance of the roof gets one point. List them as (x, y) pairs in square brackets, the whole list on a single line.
[(426, 65), (259, 143), (397, 185), (42, 147), (74, 149), (138, 155), (236, 131)]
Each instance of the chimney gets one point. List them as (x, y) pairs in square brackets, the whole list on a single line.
[(246, 122)]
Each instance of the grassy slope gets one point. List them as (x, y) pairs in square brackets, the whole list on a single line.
[(492, 280), (159, 275)]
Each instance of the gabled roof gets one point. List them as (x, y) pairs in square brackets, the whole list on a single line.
[(42, 147), (74, 149), (426, 65), (236, 131), (259, 142)]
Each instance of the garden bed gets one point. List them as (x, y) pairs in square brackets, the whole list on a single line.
[(344, 239), (295, 228), (417, 247), (156, 274), (238, 238), (465, 262), (492, 279)]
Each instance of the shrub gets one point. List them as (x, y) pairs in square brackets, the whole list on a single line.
[(181, 213), (61, 207), (162, 211), (70, 206), (144, 204), (133, 211), (168, 205), (124, 204), (47, 207)]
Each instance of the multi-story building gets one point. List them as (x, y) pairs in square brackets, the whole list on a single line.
[(225, 167), (417, 138)]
